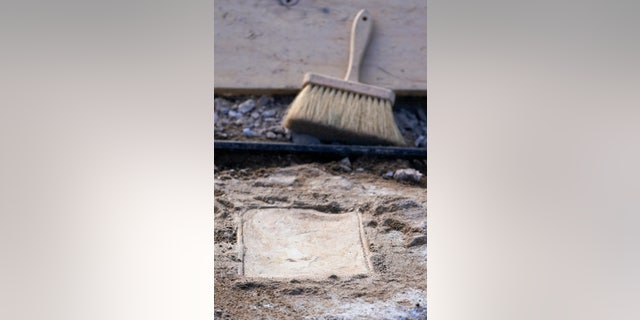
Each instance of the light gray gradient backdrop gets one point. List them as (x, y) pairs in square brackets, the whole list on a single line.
[(533, 137), (106, 160)]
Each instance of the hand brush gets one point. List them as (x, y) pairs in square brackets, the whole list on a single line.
[(346, 110)]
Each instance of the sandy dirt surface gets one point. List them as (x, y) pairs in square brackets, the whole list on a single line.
[(392, 216), (393, 219)]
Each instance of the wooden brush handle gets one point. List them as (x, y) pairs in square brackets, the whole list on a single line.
[(360, 32)]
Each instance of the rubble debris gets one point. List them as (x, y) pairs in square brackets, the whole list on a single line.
[(269, 113), (246, 106), (417, 241), (410, 175), (420, 142), (271, 135), (247, 132)]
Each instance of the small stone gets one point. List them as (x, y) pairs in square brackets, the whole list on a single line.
[(407, 119), (417, 241), (270, 119), (239, 122), (221, 103), (304, 138), (263, 100), (421, 141), (344, 167), (401, 119), (410, 175), (346, 161), (271, 135), (255, 115), (247, 132), (247, 106), (360, 170), (410, 115), (234, 114), (283, 181), (422, 226), (269, 113), (419, 127), (388, 175), (276, 129), (422, 115), (215, 117)]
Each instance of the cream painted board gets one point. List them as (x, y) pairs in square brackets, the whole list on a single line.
[(262, 45)]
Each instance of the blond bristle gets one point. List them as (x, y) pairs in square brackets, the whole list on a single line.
[(333, 114)]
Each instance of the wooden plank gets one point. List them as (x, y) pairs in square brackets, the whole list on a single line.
[(264, 46)]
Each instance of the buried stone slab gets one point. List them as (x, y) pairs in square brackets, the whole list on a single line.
[(301, 243)]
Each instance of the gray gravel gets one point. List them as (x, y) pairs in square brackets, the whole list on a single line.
[(259, 118)]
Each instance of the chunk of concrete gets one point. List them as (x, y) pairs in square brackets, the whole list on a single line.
[(411, 175), (275, 180)]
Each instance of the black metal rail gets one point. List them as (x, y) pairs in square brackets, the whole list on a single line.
[(397, 152)]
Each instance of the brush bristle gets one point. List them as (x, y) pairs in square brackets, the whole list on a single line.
[(339, 115)]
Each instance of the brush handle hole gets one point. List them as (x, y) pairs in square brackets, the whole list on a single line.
[(360, 32), (289, 3)]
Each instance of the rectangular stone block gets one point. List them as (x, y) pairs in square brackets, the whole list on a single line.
[(301, 243)]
